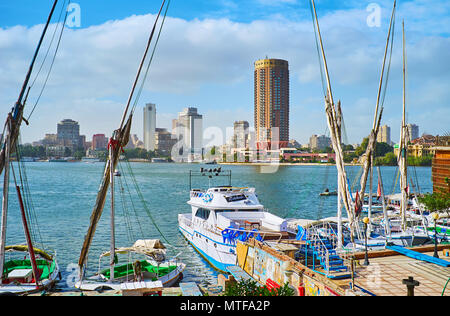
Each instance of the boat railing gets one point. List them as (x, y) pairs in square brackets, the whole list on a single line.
[(324, 239), (186, 221), (245, 234)]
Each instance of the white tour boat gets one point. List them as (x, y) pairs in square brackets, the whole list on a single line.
[(222, 215)]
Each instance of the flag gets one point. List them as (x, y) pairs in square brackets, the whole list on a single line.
[(379, 191)]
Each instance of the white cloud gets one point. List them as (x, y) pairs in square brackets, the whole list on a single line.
[(210, 63)]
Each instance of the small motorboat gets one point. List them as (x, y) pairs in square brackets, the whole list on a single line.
[(328, 193)]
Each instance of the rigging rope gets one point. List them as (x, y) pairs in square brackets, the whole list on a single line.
[(136, 101), (131, 199), (141, 197), (49, 46), (51, 64), (129, 229), (27, 200), (324, 88)]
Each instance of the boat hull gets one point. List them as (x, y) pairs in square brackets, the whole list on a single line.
[(31, 288), (98, 283), (209, 245)]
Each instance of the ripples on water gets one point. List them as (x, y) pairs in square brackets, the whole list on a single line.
[(64, 194)]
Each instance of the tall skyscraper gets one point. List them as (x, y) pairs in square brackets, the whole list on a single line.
[(68, 133), (149, 126), (241, 134), (272, 102), (189, 133), (319, 142), (384, 136), (413, 132), (99, 141)]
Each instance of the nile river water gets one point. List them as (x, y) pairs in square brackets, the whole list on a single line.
[(63, 195)]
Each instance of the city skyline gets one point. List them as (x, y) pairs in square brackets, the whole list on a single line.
[(176, 80)]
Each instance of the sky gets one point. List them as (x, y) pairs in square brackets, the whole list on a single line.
[(205, 59)]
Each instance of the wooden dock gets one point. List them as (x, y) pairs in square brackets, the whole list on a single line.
[(388, 273), (384, 276)]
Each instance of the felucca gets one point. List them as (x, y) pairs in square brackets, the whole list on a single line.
[(153, 269), (40, 271)]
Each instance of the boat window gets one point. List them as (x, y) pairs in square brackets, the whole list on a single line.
[(202, 213), (235, 198)]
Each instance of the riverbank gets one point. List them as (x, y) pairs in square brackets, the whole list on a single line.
[(280, 164)]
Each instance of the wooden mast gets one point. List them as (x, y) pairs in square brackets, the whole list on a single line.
[(334, 120), (368, 162), (113, 233), (403, 143), (5, 203), (13, 124), (17, 111), (119, 139)]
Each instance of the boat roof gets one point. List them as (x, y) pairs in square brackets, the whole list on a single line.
[(306, 223), (225, 197)]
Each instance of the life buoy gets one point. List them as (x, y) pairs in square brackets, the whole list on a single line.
[(208, 197)]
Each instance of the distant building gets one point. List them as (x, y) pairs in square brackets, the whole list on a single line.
[(420, 147), (294, 144), (384, 136), (99, 142), (68, 134), (241, 134), (413, 132), (149, 126), (134, 142), (189, 135), (82, 143), (271, 103), (50, 140), (290, 154), (164, 141), (319, 142)]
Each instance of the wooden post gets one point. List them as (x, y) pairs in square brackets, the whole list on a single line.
[(410, 284)]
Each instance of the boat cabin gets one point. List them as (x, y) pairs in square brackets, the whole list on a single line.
[(230, 207)]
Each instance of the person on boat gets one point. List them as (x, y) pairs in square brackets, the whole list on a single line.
[(138, 271)]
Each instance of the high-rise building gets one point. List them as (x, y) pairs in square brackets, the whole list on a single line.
[(413, 132), (241, 134), (68, 133), (99, 141), (164, 141), (189, 133), (384, 136), (319, 142), (149, 126), (272, 102)]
